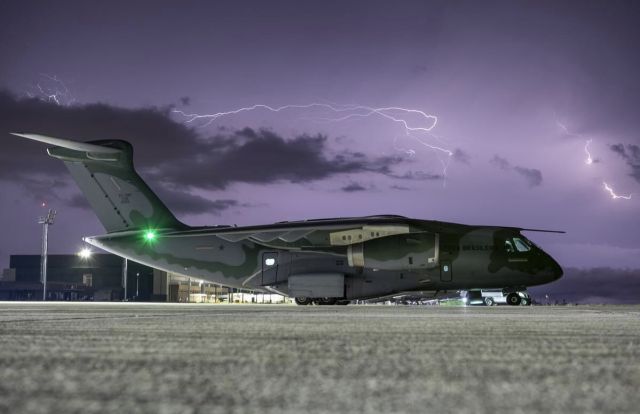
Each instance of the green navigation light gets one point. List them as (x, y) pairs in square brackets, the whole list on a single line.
[(150, 235)]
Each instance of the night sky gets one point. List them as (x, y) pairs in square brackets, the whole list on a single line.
[(532, 107)]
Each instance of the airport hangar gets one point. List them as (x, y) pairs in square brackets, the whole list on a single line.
[(100, 277)]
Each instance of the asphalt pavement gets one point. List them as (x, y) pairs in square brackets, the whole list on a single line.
[(179, 358)]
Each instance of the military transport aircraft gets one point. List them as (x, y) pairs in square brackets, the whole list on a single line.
[(323, 261)]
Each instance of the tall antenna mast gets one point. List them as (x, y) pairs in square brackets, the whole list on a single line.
[(45, 221)]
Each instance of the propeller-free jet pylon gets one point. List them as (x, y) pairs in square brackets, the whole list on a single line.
[(325, 261)]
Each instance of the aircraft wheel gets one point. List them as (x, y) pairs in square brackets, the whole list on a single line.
[(303, 300), (525, 302), (489, 301), (514, 299), (326, 301)]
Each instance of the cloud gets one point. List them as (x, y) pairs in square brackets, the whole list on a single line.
[(169, 154), (461, 156), (532, 176), (151, 129), (500, 162), (631, 154), (417, 175), (187, 203), (353, 187), (180, 202), (263, 157)]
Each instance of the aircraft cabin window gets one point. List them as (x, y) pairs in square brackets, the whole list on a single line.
[(521, 245)]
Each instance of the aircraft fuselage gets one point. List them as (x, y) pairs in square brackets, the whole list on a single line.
[(409, 255)]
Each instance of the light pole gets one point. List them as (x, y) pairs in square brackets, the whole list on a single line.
[(125, 269), (137, 285), (45, 221)]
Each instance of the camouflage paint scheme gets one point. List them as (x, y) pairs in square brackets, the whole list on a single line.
[(377, 255)]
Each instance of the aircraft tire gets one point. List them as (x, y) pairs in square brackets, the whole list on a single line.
[(303, 300), (325, 301), (489, 301), (526, 302), (514, 299)]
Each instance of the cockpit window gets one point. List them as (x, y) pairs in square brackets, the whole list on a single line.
[(508, 246), (521, 245), (516, 245)]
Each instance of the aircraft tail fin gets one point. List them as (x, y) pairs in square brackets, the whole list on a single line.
[(105, 173)]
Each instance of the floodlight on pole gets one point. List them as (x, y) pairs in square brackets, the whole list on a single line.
[(46, 221)]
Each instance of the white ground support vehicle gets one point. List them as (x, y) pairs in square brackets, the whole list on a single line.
[(491, 297)]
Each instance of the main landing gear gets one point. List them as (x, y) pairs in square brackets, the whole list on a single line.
[(303, 300)]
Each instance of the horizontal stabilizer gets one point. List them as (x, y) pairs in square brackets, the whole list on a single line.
[(72, 145)]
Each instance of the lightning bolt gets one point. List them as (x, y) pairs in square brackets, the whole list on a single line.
[(589, 160), (613, 194), (51, 89), (424, 125)]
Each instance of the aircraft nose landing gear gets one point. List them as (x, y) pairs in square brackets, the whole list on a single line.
[(514, 299)]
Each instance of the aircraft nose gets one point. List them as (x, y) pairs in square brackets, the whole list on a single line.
[(555, 271)]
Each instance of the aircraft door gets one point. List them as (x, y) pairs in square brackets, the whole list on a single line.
[(446, 273), (269, 268)]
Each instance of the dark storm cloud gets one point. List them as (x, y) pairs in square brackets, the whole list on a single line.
[(171, 154), (180, 202), (148, 126), (500, 162), (262, 157), (532, 176), (352, 188), (461, 156), (187, 203), (597, 285), (417, 175), (631, 154)]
